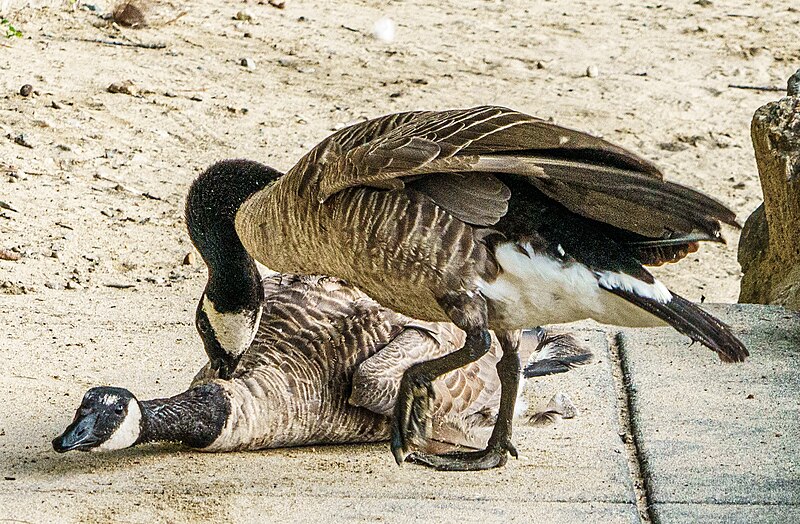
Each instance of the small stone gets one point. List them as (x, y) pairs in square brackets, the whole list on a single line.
[(540, 65), (592, 71), (288, 61), (189, 259), (126, 87), (55, 105), (7, 254), (243, 16), (384, 30), (129, 14), (248, 34), (53, 285), (26, 90), (23, 141), (280, 4), (73, 285), (249, 63)]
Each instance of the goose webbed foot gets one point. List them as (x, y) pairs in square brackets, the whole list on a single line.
[(411, 424), (494, 456), (499, 446)]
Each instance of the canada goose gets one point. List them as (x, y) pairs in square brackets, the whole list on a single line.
[(486, 217), (322, 354)]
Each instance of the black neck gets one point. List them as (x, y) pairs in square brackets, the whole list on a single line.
[(195, 417), (211, 206)]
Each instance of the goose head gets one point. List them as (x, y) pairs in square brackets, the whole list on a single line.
[(229, 311), (108, 418)]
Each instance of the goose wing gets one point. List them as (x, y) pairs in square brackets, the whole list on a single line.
[(459, 158)]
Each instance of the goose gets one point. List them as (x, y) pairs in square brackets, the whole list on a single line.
[(323, 368), (485, 217)]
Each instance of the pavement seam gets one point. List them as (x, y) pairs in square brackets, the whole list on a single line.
[(628, 434)]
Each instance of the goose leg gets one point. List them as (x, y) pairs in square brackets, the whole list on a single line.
[(411, 423), (508, 369)]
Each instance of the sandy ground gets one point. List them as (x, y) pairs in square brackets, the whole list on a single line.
[(92, 183)]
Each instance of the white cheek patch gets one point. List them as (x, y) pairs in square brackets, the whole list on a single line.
[(127, 433), (234, 331)]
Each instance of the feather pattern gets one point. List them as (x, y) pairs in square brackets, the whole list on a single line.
[(413, 206), (326, 364)]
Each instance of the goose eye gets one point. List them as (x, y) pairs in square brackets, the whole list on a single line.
[(118, 410)]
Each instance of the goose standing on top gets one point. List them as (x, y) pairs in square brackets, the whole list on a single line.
[(486, 217), (323, 368)]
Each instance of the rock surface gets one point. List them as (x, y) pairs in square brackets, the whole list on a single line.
[(769, 249)]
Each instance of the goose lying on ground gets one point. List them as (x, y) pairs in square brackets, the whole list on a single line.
[(486, 217), (324, 367)]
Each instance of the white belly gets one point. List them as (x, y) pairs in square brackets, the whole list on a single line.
[(535, 289)]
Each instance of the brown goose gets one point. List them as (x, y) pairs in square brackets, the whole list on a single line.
[(487, 217), (295, 384)]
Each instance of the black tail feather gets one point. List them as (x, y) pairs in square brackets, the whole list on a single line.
[(552, 366), (556, 353), (689, 319)]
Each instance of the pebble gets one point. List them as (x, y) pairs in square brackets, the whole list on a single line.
[(288, 61), (53, 285), (73, 285), (23, 141), (249, 63), (26, 90), (7, 254), (592, 71), (243, 16), (384, 29), (126, 87), (189, 259)]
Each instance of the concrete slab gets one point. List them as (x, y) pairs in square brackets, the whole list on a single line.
[(719, 442), (55, 345), (726, 513)]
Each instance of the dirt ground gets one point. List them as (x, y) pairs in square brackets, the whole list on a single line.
[(92, 183)]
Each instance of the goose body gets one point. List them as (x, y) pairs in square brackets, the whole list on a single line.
[(324, 368), (486, 217)]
